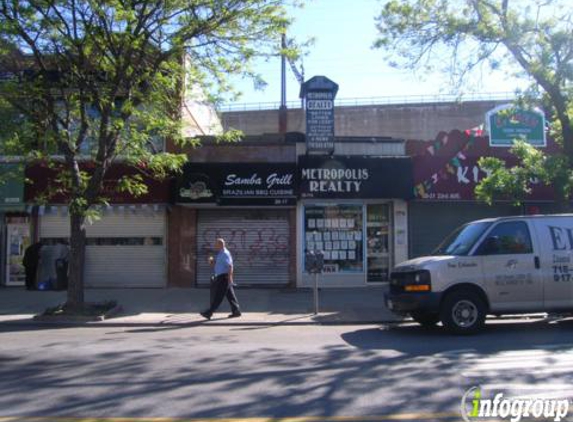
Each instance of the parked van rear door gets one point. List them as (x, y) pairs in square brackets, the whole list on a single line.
[(555, 235), (512, 279)]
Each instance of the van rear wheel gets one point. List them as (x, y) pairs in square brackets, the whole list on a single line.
[(425, 319), (463, 312)]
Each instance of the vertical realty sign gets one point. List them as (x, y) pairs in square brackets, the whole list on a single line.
[(318, 94)]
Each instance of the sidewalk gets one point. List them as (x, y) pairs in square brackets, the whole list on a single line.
[(181, 306)]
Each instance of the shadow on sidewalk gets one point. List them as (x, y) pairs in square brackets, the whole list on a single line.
[(181, 306)]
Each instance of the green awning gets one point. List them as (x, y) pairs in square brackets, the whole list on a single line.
[(12, 187)]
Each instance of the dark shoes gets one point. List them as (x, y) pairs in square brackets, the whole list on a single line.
[(208, 316)]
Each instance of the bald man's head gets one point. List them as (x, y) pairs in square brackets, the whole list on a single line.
[(220, 244)]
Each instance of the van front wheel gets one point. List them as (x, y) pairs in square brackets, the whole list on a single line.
[(463, 312)]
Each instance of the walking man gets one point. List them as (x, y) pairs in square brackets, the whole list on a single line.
[(223, 282), (30, 262)]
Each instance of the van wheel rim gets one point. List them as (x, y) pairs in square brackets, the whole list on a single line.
[(464, 313)]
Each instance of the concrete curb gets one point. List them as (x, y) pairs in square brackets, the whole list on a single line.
[(225, 322), (212, 323), (80, 319), (290, 320)]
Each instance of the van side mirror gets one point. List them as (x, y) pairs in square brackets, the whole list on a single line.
[(490, 246)]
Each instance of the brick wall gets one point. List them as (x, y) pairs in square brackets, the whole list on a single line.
[(182, 247), (293, 249)]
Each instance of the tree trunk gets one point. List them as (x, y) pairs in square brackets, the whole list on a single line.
[(563, 205), (561, 196), (76, 264)]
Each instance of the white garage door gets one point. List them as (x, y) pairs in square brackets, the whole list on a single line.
[(125, 248), (258, 240)]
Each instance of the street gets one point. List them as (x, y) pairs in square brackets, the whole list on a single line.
[(362, 372)]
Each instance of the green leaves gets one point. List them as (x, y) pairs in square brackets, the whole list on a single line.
[(515, 183), (527, 38), (104, 81)]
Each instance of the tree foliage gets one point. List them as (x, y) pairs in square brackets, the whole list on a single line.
[(532, 39), (103, 80), (515, 183)]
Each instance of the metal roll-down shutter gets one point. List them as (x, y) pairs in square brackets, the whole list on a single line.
[(125, 248), (259, 241)]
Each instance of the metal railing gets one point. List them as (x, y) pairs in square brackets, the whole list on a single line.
[(386, 100)]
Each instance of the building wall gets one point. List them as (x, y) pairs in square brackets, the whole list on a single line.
[(294, 250), (409, 121), (431, 222), (254, 149), (182, 247), (2, 249), (182, 240), (243, 153)]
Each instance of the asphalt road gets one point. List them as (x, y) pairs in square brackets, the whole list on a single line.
[(275, 373)]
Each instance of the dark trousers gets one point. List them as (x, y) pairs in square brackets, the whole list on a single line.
[(221, 288), (31, 277)]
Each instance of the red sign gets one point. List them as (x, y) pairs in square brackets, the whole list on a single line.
[(42, 177), (447, 168)]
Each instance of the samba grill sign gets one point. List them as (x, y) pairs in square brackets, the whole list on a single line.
[(237, 184)]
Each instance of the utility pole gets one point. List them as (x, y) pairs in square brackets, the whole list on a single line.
[(283, 108)]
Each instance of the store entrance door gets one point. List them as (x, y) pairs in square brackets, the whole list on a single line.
[(17, 240), (379, 242)]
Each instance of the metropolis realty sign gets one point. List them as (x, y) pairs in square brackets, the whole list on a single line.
[(335, 180), (507, 123), (354, 177), (318, 94)]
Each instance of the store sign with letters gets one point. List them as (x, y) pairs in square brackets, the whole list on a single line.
[(448, 168), (506, 124), (320, 121), (319, 93), (11, 187), (355, 177), (237, 184)]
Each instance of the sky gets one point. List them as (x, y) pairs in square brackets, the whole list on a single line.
[(344, 31)]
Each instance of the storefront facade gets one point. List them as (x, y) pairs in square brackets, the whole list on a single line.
[(126, 245), (250, 205), (15, 235), (354, 209), (446, 173)]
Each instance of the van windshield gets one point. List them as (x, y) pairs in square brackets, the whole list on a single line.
[(461, 240)]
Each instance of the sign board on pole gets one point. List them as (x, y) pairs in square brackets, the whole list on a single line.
[(318, 94), (507, 123), (11, 187)]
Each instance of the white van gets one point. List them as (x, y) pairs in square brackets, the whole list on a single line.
[(506, 265)]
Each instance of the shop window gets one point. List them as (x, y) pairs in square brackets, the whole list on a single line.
[(337, 231)]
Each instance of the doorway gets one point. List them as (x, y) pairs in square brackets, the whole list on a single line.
[(378, 242)]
